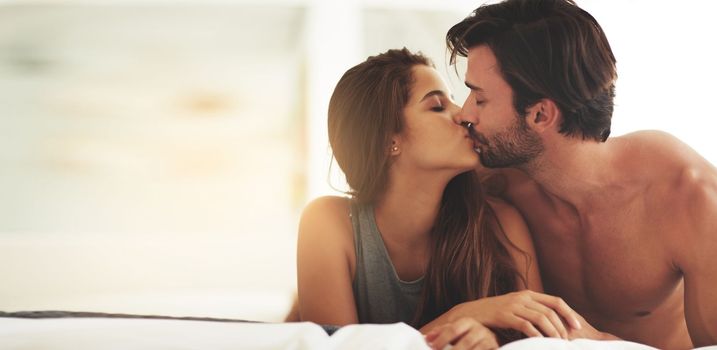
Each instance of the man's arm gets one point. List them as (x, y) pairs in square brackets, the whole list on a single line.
[(697, 259)]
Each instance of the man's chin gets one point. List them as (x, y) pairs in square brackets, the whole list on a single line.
[(486, 163)]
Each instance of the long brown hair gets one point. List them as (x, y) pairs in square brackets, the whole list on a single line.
[(547, 49), (469, 259)]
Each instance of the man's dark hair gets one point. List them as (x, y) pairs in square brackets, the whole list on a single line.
[(547, 49)]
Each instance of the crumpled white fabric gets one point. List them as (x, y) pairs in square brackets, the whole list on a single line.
[(146, 334), (580, 344), (577, 344)]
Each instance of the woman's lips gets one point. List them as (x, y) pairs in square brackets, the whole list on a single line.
[(473, 136)]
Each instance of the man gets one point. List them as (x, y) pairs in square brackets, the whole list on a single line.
[(625, 228)]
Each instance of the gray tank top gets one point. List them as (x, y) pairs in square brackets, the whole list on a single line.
[(381, 297)]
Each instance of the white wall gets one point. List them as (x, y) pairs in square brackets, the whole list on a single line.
[(667, 54)]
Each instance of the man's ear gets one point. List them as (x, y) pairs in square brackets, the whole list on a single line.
[(543, 115)]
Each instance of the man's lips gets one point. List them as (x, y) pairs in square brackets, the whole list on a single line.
[(471, 131), (474, 142)]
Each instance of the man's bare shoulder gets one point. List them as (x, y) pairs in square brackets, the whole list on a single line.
[(676, 161), (511, 223), (697, 188), (504, 211), (684, 185), (650, 135), (658, 145), (664, 161)]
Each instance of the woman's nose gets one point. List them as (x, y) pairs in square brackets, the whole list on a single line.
[(456, 113), (467, 115)]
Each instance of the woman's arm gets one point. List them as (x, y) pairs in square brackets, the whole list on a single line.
[(325, 259)]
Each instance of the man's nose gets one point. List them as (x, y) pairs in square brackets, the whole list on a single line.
[(466, 116), (461, 117)]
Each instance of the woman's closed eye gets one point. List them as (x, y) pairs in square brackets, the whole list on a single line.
[(438, 108)]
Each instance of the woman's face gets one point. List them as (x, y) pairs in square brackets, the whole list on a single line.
[(432, 137)]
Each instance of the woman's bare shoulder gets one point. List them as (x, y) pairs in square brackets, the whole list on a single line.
[(327, 220), (327, 205), (325, 262)]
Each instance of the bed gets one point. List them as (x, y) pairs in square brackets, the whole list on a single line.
[(62, 330)]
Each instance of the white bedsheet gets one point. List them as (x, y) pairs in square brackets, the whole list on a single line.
[(144, 334)]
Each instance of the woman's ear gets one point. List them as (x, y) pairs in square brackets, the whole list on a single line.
[(543, 115), (395, 148)]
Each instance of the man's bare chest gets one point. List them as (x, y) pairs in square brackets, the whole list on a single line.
[(617, 268)]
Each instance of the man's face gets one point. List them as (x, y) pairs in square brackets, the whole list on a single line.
[(503, 136)]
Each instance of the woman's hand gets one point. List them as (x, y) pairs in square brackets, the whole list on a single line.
[(464, 333), (534, 314)]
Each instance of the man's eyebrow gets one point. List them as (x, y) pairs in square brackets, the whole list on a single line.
[(433, 93), (473, 87)]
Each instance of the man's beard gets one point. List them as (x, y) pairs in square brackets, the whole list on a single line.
[(515, 147)]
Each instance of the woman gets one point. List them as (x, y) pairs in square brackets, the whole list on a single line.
[(417, 241)]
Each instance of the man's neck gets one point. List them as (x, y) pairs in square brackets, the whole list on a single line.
[(580, 173)]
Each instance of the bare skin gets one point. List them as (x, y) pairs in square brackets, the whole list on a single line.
[(433, 149), (625, 231)]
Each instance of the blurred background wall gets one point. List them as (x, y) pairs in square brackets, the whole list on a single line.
[(155, 155)]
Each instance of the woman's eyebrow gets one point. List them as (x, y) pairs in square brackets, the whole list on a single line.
[(433, 93)]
